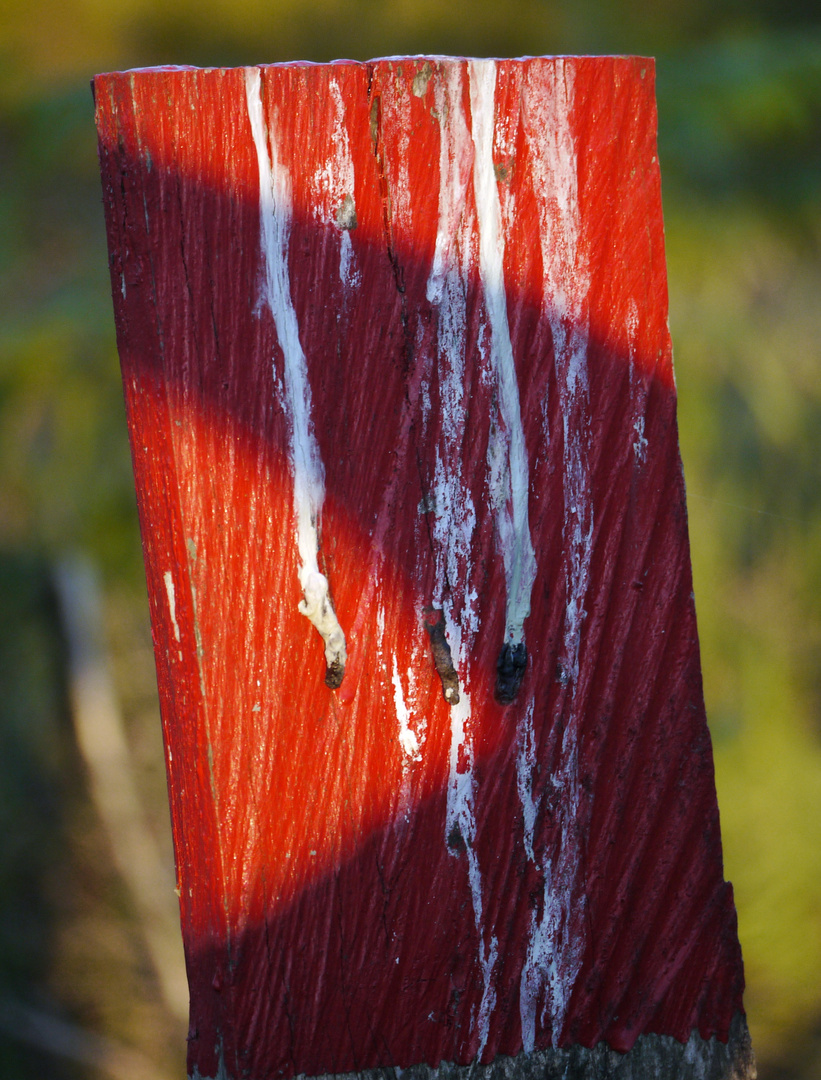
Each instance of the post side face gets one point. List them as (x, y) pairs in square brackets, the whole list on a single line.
[(395, 349)]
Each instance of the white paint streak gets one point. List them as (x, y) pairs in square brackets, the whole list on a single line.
[(509, 466), (639, 399), (172, 603), (552, 951), (408, 740), (309, 473), (525, 769), (454, 513), (556, 943)]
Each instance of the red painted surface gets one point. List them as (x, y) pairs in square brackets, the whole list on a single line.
[(362, 882)]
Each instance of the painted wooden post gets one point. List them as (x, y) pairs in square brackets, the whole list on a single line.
[(401, 403)]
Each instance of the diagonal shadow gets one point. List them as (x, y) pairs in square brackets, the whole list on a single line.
[(338, 913)]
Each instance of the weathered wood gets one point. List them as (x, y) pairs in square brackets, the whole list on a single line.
[(395, 353), (652, 1057)]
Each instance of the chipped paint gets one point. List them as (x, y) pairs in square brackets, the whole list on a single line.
[(342, 172), (168, 578), (332, 190), (308, 470)]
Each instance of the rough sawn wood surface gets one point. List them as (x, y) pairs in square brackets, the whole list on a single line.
[(395, 350)]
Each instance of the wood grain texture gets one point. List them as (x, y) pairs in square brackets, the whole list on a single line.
[(473, 256)]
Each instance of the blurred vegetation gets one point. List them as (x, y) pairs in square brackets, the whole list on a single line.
[(739, 87)]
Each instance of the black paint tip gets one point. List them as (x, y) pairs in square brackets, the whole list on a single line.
[(510, 670), (334, 674), (455, 841)]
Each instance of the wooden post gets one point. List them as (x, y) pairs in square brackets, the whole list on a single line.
[(401, 403)]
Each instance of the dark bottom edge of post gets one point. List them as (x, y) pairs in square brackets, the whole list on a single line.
[(653, 1057)]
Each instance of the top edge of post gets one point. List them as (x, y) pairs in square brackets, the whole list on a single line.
[(433, 57)]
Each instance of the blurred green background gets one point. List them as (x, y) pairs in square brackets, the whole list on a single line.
[(87, 966)]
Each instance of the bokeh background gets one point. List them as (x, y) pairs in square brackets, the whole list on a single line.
[(90, 957)]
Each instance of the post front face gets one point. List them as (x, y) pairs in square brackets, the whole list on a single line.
[(399, 385)]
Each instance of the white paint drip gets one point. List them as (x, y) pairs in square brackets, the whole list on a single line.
[(551, 951), (454, 513), (556, 943), (309, 473), (639, 399), (525, 769), (510, 481), (172, 602)]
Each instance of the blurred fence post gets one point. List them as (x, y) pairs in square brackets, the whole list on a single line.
[(101, 738), (402, 413)]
